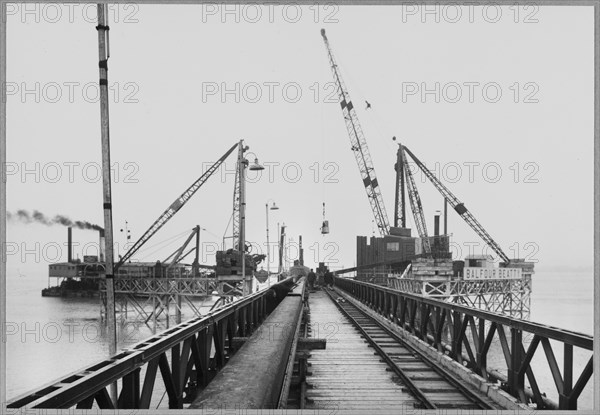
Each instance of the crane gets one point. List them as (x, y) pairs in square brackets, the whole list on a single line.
[(173, 208), (404, 177), (415, 204), (459, 207), (399, 207), (359, 146)]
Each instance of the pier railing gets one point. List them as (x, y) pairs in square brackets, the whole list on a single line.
[(465, 334), (198, 348)]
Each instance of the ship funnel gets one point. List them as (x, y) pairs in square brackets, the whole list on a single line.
[(101, 245), (436, 224), (69, 244)]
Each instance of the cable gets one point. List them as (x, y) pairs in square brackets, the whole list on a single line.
[(164, 240), (162, 247)]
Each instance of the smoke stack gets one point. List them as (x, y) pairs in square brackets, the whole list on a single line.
[(69, 244), (445, 217), (101, 245), (436, 224), (301, 257)]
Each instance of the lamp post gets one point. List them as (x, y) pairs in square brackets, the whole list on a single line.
[(196, 264), (127, 233), (242, 165), (273, 207)]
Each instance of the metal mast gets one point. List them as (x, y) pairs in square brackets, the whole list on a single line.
[(359, 147), (415, 204), (400, 205), (460, 208), (104, 54), (236, 200)]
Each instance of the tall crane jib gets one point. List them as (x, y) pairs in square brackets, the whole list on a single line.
[(359, 147), (174, 208), (459, 207)]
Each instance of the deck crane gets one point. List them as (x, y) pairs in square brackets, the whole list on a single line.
[(359, 147), (404, 176), (415, 202), (399, 206), (458, 206), (173, 208)]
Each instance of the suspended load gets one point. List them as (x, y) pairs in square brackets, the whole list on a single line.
[(325, 226)]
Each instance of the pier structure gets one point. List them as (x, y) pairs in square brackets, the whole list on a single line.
[(505, 290), (151, 298), (412, 352), (419, 340)]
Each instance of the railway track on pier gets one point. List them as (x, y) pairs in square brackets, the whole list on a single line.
[(431, 386)]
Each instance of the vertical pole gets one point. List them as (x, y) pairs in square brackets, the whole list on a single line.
[(154, 305), (568, 380), (3, 293), (196, 265), (402, 187), (400, 210), (445, 217), (516, 384), (178, 309), (278, 250), (268, 246), (167, 298), (397, 196), (242, 242), (103, 52), (596, 361), (70, 244)]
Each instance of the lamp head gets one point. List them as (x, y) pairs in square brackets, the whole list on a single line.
[(256, 166)]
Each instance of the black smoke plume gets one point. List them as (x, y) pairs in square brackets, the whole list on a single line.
[(38, 217)]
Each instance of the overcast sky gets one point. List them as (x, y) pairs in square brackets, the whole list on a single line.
[(507, 121)]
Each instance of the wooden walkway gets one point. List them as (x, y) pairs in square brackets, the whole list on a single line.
[(348, 374)]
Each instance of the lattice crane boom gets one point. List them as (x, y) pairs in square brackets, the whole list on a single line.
[(460, 208), (400, 202), (359, 147), (415, 204), (173, 208), (237, 192)]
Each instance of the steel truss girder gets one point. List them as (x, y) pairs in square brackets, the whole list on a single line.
[(467, 333), (191, 351)]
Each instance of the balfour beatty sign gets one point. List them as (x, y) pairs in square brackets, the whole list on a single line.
[(473, 273)]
